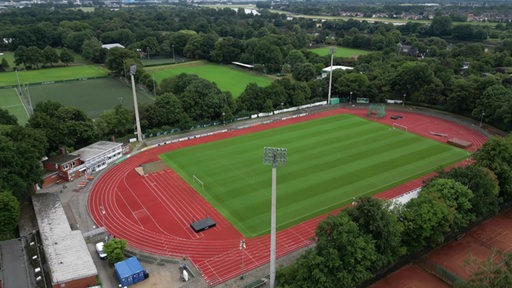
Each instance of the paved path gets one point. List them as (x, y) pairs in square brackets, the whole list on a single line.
[(15, 273)]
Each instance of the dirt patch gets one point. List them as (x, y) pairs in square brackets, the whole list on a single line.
[(153, 167)]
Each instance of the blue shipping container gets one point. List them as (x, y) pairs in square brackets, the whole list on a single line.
[(129, 271)]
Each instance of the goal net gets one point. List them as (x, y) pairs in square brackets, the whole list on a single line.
[(196, 180), (400, 127), (377, 110)]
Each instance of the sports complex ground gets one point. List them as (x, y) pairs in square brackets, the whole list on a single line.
[(154, 211)]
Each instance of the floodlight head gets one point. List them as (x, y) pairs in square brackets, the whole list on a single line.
[(274, 156), (332, 50), (133, 69)]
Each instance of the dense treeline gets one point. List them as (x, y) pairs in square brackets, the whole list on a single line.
[(469, 79), (371, 235)]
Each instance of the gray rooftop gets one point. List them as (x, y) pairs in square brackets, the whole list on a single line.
[(66, 252), (96, 149)]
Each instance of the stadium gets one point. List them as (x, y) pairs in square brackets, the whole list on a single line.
[(151, 198)]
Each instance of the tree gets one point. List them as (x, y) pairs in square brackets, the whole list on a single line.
[(4, 65), (496, 155), (496, 104), (119, 61), (227, 50), (202, 101), (9, 215), (63, 126), (6, 118), (441, 26), (295, 57), (343, 257), (484, 185), (22, 149), (34, 56), (375, 218), (114, 248), (457, 197), (20, 55), (304, 72), (75, 40), (425, 219), (167, 111), (66, 57), (495, 271), (50, 55), (92, 50), (115, 123)]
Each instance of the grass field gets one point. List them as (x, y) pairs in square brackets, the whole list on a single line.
[(340, 51), (10, 101), (94, 97), (51, 74), (226, 78), (330, 161)]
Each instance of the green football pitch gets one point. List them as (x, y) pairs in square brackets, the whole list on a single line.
[(339, 52), (330, 161), (94, 97), (226, 77)]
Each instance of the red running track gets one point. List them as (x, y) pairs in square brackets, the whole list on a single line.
[(153, 212)]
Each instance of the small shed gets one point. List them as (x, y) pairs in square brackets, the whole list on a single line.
[(130, 271)]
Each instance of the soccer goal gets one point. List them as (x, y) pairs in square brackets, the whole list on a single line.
[(377, 110), (195, 179), (400, 127)]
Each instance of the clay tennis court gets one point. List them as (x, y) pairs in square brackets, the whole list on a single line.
[(477, 243), (153, 212), (410, 276)]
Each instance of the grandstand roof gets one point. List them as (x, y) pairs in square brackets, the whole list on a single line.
[(96, 149)]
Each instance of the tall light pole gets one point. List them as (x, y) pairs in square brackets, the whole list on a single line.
[(482, 119), (403, 102), (173, 56), (274, 156), (133, 69), (19, 84), (242, 249), (332, 50), (350, 99)]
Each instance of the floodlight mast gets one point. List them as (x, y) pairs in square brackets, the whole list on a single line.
[(332, 50), (133, 69), (274, 156)]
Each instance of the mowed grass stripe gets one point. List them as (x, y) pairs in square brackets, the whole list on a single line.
[(330, 161)]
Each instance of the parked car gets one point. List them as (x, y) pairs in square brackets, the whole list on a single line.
[(99, 249)]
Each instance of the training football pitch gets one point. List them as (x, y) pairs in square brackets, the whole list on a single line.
[(226, 78), (51, 74), (339, 52), (330, 161)]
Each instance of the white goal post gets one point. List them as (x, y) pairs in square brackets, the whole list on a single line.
[(400, 127), (196, 180)]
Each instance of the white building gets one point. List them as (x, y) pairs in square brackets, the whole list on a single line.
[(98, 155), (327, 70)]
